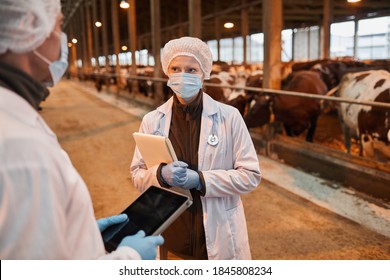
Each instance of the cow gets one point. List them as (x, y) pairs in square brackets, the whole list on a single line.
[(259, 110), (219, 93), (104, 77), (297, 114), (332, 71), (254, 80), (238, 100), (369, 125), (234, 97)]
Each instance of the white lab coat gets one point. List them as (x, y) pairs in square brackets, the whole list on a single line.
[(45, 209), (230, 168)]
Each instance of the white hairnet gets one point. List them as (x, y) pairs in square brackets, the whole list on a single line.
[(25, 24), (188, 46)]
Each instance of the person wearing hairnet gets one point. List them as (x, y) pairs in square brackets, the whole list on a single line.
[(217, 159), (45, 208)]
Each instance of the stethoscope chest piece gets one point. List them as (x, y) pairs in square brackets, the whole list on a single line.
[(213, 140)]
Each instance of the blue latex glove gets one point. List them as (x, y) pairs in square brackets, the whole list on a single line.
[(175, 173), (193, 181), (145, 246), (104, 223)]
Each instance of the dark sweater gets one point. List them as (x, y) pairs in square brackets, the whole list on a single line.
[(185, 237)]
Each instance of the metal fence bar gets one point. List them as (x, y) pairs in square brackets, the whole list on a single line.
[(274, 91)]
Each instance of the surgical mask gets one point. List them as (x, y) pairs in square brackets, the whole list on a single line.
[(57, 68), (185, 85)]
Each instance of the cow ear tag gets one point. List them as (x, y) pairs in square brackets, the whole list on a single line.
[(213, 140)]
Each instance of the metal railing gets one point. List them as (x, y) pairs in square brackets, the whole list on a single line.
[(274, 91)]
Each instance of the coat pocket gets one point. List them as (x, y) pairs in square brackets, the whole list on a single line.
[(238, 228)]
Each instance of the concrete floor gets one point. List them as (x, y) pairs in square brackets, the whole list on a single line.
[(291, 215)]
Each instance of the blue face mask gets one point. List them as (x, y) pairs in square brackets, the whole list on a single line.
[(185, 85), (57, 68)]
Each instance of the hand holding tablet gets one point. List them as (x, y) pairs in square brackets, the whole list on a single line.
[(146, 246), (153, 211)]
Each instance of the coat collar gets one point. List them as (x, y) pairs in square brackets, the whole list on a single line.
[(210, 106), (19, 108)]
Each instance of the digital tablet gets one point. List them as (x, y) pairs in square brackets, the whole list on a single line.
[(153, 211), (154, 149)]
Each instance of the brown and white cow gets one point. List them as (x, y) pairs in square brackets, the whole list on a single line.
[(222, 78), (233, 97), (368, 124), (295, 113)]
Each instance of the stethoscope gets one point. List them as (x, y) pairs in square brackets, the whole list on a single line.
[(212, 140)]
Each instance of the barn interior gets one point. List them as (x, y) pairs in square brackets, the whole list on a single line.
[(100, 31)]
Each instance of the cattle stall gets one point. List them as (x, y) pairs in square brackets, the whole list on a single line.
[(325, 155)]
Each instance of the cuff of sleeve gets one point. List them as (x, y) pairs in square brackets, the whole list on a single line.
[(160, 179), (202, 184)]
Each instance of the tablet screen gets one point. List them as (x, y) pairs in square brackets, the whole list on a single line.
[(148, 212)]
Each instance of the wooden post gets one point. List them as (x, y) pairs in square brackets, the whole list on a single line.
[(355, 38), (73, 58), (95, 33), (195, 18), (244, 31), (115, 32), (132, 26), (156, 45), (293, 39), (181, 28), (83, 41), (218, 37), (105, 41), (233, 52), (90, 53), (308, 42), (272, 26), (217, 23), (327, 20)]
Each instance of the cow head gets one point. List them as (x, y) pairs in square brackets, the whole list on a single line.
[(259, 112), (254, 80), (216, 93), (239, 102)]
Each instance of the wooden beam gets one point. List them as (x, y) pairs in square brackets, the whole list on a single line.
[(195, 18), (327, 20), (103, 11), (132, 28), (83, 39), (90, 51), (116, 38), (272, 26), (95, 33), (244, 30), (355, 38), (217, 27), (156, 44)]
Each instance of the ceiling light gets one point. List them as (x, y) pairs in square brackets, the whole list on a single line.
[(353, 1), (124, 4), (124, 48), (98, 24), (74, 40), (228, 25)]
